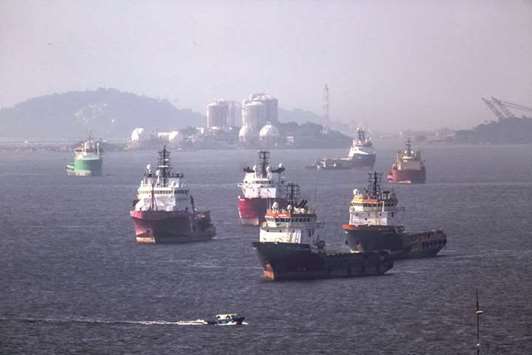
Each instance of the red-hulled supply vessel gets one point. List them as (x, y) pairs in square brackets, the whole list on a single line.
[(262, 186), (408, 167), (164, 210)]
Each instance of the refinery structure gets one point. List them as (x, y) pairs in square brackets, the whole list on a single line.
[(253, 123), (223, 114), (260, 117)]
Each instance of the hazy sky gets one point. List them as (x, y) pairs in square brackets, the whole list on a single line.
[(389, 64)]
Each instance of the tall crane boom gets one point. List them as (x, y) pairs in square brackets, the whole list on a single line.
[(517, 106), (503, 108), (493, 109)]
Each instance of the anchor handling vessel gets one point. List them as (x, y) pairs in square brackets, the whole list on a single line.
[(372, 225), (262, 186), (408, 167), (289, 247), (88, 159), (361, 154), (164, 210)]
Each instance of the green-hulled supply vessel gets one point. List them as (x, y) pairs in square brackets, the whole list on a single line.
[(88, 159)]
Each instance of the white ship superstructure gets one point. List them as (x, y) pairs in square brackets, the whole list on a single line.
[(89, 149), (260, 182), (294, 224), (162, 190), (164, 211), (373, 207), (259, 190), (362, 145)]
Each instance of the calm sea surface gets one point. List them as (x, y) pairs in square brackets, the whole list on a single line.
[(74, 281)]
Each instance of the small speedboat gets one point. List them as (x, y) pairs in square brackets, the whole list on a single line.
[(227, 319)]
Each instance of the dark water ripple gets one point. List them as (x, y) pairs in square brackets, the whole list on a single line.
[(74, 281)]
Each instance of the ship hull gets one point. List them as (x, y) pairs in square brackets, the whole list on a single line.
[(252, 210), (290, 261), (363, 160), (406, 176), (161, 227), (85, 167), (357, 161), (401, 245)]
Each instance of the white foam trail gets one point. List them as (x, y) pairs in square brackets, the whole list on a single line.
[(103, 321)]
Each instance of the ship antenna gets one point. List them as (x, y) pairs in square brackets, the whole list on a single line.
[(478, 313), (361, 135), (293, 190), (374, 185), (408, 145), (164, 165), (263, 161)]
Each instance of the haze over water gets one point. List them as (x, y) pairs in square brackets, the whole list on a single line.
[(75, 281), (390, 65)]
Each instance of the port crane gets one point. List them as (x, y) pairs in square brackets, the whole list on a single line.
[(502, 109)]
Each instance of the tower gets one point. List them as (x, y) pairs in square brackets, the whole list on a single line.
[(325, 118)]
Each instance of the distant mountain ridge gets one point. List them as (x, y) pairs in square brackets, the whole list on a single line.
[(505, 131), (107, 113), (298, 116)]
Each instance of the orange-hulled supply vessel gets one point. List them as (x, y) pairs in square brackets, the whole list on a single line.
[(289, 247), (408, 168), (373, 225), (262, 186), (164, 210)]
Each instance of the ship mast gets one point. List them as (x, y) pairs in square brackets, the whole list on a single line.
[(374, 184), (361, 135), (164, 166), (326, 108), (409, 146), (293, 193), (478, 313), (264, 161)]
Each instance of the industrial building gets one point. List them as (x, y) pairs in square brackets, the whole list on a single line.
[(258, 110)]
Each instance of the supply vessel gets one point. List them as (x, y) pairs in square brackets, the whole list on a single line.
[(88, 159), (261, 187), (372, 225), (408, 167), (361, 154), (164, 210), (289, 247)]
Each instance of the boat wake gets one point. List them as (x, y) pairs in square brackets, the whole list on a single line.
[(113, 322)]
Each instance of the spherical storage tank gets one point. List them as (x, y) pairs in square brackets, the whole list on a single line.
[(171, 137), (136, 134), (269, 131), (247, 134)]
